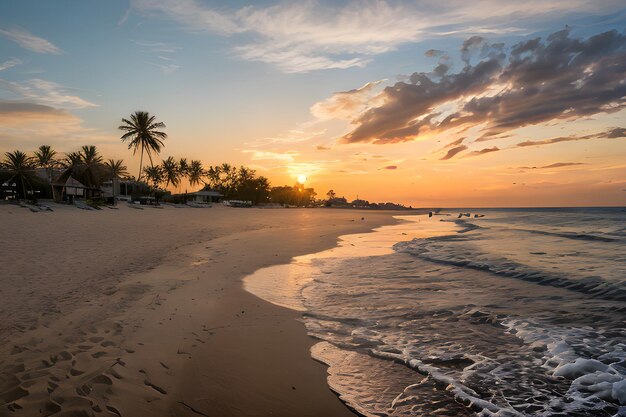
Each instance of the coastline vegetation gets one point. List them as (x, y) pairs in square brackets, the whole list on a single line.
[(28, 176)]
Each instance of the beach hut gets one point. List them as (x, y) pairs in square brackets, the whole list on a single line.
[(204, 196), (72, 189)]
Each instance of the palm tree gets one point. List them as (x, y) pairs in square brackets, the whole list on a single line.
[(195, 172), (46, 158), (154, 174), (213, 174), (22, 169), (171, 172), (115, 169), (183, 170), (141, 133), (92, 167)]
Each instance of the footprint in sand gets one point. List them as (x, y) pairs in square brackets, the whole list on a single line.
[(155, 387)]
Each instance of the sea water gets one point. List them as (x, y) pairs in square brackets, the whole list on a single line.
[(521, 312)]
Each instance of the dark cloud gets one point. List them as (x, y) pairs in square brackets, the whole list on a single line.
[(556, 165), (390, 167), (483, 151), (617, 132), (613, 133), (322, 148), (557, 78), (453, 152), (19, 107)]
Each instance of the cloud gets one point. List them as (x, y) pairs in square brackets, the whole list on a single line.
[(556, 165), (536, 82), (167, 68), (159, 47), (272, 156), (17, 114), (482, 151), (165, 62), (9, 63), (26, 125), (45, 92), (346, 104), (613, 133), (391, 167), (322, 148), (314, 35), (29, 41), (453, 151)]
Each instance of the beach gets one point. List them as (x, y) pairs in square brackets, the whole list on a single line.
[(143, 312)]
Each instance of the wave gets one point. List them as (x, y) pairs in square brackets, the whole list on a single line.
[(469, 226), (434, 249)]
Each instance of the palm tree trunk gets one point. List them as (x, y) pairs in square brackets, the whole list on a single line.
[(140, 164)]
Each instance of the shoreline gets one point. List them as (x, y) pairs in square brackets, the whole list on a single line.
[(182, 336)]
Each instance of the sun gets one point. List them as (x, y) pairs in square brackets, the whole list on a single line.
[(301, 178)]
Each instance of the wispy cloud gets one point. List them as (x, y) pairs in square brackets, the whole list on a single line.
[(29, 41), (164, 51), (346, 104), (272, 156), (45, 92), (556, 165), (613, 133), (453, 151), (482, 151), (10, 63), (313, 35)]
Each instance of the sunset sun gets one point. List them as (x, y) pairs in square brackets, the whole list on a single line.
[(301, 178)]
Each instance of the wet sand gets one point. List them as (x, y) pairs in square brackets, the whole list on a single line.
[(142, 312)]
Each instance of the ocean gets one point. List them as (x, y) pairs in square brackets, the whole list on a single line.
[(470, 312)]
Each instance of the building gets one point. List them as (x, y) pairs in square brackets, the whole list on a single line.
[(73, 189), (204, 196), (124, 189)]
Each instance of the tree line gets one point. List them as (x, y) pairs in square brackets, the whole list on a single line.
[(141, 131)]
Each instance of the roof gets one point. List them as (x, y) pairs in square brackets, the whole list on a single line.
[(204, 193), (74, 183)]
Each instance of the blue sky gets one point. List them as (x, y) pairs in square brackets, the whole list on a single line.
[(256, 84)]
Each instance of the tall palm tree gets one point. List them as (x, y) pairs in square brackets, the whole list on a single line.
[(115, 169), (22, 169), (142, 134), (195, 172), (171, 172), (45, 157)]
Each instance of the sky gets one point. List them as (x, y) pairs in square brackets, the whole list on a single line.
[(426, 103)]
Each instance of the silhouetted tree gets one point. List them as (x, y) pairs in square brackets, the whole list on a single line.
[(142, 134)]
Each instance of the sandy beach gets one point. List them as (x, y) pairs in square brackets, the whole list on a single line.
[(142, 312)]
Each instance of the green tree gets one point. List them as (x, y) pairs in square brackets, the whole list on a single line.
[(21, 167), (142, 134)]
